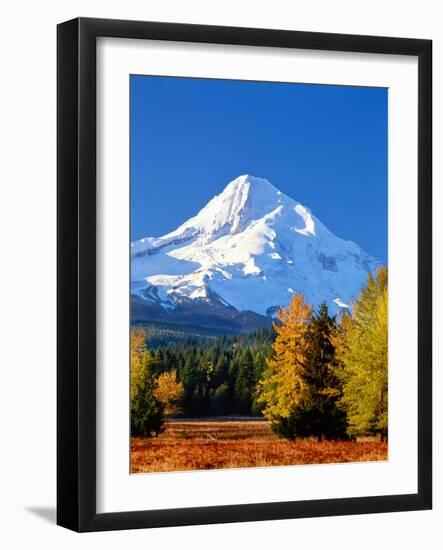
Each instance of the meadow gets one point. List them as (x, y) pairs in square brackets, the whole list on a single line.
[(207, 444)]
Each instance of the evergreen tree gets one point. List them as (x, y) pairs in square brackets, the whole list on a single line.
[(318, 414), (245, 383), (189, 378), (221, 369), (233, 370), (138, 346), (146, 409), (158, 363), (221, 400)]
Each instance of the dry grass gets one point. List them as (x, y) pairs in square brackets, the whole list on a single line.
[(206, 445)]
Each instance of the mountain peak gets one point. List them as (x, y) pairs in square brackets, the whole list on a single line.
[(242, 200), (251, 185), (252, 181), (252, 246)]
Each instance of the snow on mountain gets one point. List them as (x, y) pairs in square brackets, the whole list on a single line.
[(249, 248)]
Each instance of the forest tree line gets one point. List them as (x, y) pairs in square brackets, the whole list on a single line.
[(312, 374)]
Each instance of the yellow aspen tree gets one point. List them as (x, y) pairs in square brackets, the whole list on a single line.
[(169, 391), (282, 386), (362, 349)]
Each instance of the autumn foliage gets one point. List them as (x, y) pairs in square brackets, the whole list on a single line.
[(328, 379), (361, 342), (169, 391), (283, 386), (300, 388), (316, 376), (153, 397)]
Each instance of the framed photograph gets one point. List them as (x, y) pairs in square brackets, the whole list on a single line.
[(244, 274)]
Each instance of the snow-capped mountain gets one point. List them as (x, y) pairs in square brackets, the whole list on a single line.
[(247, 250)]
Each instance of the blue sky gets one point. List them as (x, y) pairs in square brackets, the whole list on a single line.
[(324, 146)]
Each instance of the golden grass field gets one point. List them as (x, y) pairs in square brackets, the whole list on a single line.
[(205, 445)]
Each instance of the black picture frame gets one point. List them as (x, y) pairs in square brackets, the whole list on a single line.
[(76, 281)]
